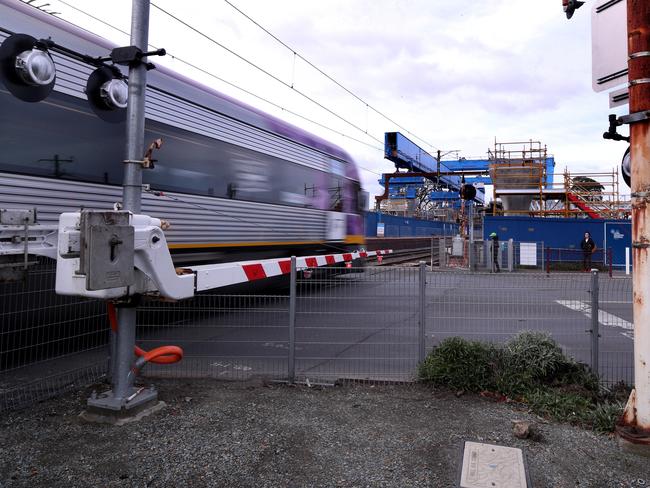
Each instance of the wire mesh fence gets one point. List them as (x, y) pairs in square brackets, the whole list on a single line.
[(48, 343), (559, 259), (493, 308), (615, 317), (373, 323), (358, 324), (230, 337)]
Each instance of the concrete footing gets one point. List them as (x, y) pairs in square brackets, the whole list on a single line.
[(105, 408), (121, 417)]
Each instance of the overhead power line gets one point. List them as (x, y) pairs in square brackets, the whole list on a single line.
[(248, 92), (262, 70), (337, 83)]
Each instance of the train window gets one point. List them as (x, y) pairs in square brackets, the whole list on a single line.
[(73, 143), (61, 139)]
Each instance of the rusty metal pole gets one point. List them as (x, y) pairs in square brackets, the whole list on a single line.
[(634, 429)]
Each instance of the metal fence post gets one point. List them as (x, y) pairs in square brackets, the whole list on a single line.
[(291, 367), (421, 302), (594, 321), (511, 255)]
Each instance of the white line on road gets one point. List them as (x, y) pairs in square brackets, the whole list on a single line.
[(605, 318)]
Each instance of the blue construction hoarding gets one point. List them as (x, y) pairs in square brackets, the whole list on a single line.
[(564, 233), (393, 226)]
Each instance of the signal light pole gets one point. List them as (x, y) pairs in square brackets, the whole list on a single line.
[(634, 427), (124, 399)]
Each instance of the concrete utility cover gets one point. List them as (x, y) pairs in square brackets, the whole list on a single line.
[(490, 466)]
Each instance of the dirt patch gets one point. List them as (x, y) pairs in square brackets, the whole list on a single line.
[(255, 435)]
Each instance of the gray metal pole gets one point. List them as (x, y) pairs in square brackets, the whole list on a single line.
[(442, 252), (132, 186), (595, 335), (470, 253), (422, 321), (292, 322), (431, 259)]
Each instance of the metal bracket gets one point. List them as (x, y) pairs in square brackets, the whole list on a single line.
[(612, 133), (635, 117)]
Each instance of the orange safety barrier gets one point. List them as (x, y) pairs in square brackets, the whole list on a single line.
[(159, 355)]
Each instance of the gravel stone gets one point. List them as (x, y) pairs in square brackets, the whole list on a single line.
[(256, 435)]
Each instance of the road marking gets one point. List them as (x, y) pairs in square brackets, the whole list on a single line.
[(605, 318)]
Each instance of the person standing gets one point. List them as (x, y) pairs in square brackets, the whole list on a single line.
[(495, 252), (588, 247)]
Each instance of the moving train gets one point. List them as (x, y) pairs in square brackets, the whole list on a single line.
[(234, 182)]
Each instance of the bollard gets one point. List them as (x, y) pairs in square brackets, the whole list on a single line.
[(421, 322), (594, 321), (442, 252), (291, 373)]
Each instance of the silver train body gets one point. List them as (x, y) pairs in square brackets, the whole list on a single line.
[(234, 183)]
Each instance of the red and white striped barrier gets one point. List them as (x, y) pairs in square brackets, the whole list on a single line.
[(211, 276)]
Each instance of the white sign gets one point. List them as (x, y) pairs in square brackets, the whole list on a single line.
[(528, 254), (608, 44), (380, 229)]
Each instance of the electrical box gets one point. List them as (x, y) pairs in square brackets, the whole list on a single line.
[(457, 246), (106, 250)]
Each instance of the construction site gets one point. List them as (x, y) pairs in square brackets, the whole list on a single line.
[(515, 182)]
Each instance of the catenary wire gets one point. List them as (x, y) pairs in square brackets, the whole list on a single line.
[(267, 73), (248, 92), (337, 83)]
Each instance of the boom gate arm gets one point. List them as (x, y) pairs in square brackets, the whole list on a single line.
[(113, 254)]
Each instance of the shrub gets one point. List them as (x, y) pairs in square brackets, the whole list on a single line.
[(530, 367), (534, 355), (462, 365)]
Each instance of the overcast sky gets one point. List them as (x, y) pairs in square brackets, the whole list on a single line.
[(456, 74)]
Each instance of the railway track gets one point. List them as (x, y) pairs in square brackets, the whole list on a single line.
[(411, 255)]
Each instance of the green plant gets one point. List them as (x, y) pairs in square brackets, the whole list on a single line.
[(605, 415), (534, 355), (566, 407), (530, 367), (461, 364)]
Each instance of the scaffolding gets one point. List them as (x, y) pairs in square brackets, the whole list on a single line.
[(524, 184)]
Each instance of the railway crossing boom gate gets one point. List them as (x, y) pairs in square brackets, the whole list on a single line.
[(116, 255)]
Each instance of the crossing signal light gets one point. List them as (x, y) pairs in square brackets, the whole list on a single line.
[(467, 192), (626, 168), (570, 6)]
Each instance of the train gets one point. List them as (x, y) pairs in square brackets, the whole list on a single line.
[(234, 182)]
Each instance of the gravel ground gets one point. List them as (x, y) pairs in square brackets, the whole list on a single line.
[(255, 435)]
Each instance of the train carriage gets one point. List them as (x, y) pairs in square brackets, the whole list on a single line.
[(234, 182)]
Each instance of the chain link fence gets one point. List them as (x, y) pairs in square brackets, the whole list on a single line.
[(374, 323)]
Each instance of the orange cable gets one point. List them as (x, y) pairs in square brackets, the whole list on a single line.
[(159, 355)]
